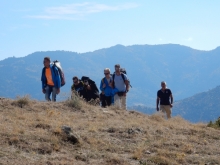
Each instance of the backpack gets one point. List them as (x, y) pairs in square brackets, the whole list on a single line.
[(57, 64), (94, 93), (90, 82), (123, 72)]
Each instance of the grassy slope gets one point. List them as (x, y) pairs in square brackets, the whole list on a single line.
[(32, 135)]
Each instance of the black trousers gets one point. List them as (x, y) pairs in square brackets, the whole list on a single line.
[(105, 100)]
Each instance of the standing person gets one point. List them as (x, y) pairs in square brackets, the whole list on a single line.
[(77, 86), (121, 83), (165, 97), (51, 81), (106, 89)]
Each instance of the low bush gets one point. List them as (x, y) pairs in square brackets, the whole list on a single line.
[(216, 124), (75, 101), (22, 101)]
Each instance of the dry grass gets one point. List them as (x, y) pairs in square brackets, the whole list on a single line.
[(32, 135)]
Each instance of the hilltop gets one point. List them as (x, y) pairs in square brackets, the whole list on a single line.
[(31, 133)]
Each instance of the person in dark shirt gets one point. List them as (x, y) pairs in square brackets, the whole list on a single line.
[(165, 98), (77, 86), (90, 90)]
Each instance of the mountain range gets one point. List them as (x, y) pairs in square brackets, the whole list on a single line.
[(187, 71)]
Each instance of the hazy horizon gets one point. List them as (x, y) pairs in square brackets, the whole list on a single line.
[(81, 26), (100, 49)]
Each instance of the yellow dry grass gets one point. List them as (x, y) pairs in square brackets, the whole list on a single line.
[(32, 134)]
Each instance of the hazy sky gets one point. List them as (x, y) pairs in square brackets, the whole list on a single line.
[(40, 25)]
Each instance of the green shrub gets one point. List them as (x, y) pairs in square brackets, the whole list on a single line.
[(216, 124)]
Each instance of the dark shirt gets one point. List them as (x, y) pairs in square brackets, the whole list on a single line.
[(164, 96), (92, 93), (78, 88)]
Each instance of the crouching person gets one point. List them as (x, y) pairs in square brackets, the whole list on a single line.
[(106, 89), (90, 90), (51, 81), (77, 86)]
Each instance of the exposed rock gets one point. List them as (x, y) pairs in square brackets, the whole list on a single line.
[(111, 130), (69, 135), (148, 152), (66, 129), (44, 149), (135, 130), (43, 126), (131, 131)]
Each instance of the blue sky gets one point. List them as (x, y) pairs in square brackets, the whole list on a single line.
[(28, 26)]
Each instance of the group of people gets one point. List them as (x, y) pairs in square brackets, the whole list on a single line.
[(114, 88)]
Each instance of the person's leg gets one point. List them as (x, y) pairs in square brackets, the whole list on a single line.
[(162, 110), (112, 102), (168, 111), (54, 93), (103, 100), (108, 100), (48, 93), (117, 101), (123, 102)]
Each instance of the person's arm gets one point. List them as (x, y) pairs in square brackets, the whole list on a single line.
[(101, 87), (43, 80), (127, 85), (126, 82), (157, 103), (72, 88), (171, 100), (58, 90), (90, 87)]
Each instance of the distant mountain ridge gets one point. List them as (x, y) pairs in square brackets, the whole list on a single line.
[(187, 71), (202, 107)]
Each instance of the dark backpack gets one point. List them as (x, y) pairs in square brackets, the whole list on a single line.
[(60, 70), (90, 82), (94, 93), (123, 72)]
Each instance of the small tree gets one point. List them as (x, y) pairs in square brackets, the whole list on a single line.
[(22, 101)]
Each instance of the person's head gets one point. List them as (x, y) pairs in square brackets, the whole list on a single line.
[(86, 82), (47, 62), (117, 68), (107, 72), (163, 85), (75, 80)]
